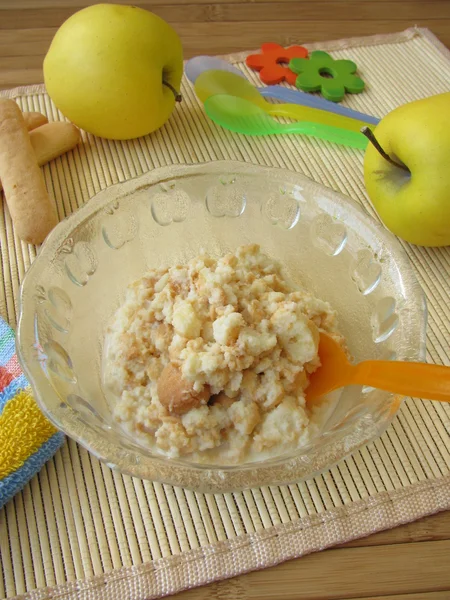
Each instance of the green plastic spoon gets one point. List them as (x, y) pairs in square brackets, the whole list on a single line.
[(241, 116), (214, 82)]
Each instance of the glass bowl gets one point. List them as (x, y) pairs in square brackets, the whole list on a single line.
[(169, 215)]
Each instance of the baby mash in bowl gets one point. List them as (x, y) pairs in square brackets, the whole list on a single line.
[(210, 360)]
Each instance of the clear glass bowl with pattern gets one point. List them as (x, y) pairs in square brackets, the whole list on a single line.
[(325, 241)]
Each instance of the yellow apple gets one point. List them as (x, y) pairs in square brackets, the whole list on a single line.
[(115, 70), (414, 203)]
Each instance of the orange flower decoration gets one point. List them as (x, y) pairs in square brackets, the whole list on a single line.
[(270, 62)]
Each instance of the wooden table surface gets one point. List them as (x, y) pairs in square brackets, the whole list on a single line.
[(408, 563)]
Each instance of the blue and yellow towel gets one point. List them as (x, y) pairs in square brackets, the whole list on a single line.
[(27, 438)]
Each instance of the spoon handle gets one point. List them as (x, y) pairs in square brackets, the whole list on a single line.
[(297, 97), (337, 135), (420, 380), (315, 115)]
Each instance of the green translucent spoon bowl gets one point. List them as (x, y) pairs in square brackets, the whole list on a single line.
[(212, 83), (242, 116)]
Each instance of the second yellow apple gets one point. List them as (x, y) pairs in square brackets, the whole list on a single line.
[(413, 203)]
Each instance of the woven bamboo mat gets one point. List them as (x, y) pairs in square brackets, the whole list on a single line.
[(80, 530)]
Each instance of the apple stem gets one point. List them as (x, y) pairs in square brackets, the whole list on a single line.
[(371, 137), (178, 96)]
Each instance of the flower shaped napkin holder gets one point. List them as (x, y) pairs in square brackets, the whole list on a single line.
[(273, 61), (319, 72), (322, 73)]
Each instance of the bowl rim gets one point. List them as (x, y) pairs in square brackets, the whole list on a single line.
[(215, 476)]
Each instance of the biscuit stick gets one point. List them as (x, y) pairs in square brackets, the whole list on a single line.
[(34, 119), (52, 140), (31, 209)]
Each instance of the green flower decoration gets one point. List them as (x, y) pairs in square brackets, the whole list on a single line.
[(322, 73)]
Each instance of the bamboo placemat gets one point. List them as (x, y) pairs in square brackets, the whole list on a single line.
[(80, 530)]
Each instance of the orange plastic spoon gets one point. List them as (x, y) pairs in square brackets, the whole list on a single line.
[(420, 380)]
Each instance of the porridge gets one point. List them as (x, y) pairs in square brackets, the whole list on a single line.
[(210, 360)]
